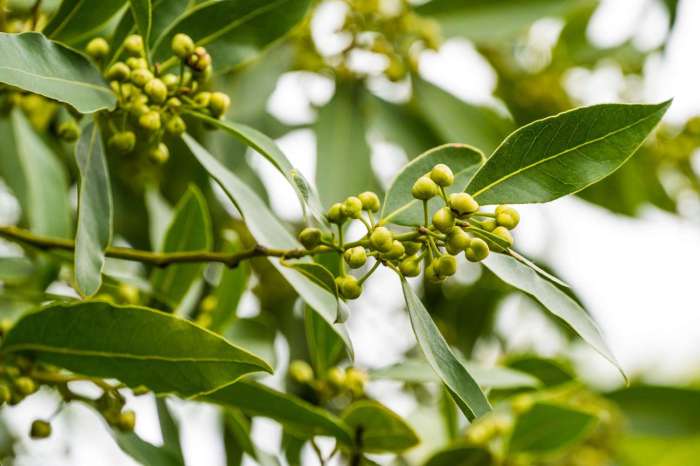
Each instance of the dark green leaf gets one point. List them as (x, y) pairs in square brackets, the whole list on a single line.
[(451, 371), (563, 154), (234, 31), (54, 71), (461, 455), (547, 427), (343, 165), (269, 232), (552, 298), (189, 230), (77, 20), (94, 232), (146, 453), (169, 429), (324, 345), (15, 269), (294, 413), (551, 372), (228, 292), (402, 208), (136, 345), (378, 429), (237, 427)]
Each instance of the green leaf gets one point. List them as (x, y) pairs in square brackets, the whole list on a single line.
[(136, 345), (145, 452), (238, 441), (269, 149), (488, 20), (547, 427), (550, 371), (402, 208), (564, 154), (77, 20), (142, 11), (553, 299), (254, 335), (657, 451), (35, 176), (15, 269), (378, 429), (343, 165), (269, 232), (321, 276), (189, 231), (454, 375), (417, 371), (169, 429), (232, 283), (234, 31), (293, 413), (460, 455), (54, 71), (324, 345), (536, 268), (94, 232), (458, 121)]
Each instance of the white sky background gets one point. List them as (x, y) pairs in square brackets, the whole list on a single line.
[(638, 277)]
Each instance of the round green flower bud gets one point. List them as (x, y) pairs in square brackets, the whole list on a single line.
[(382, 239), (442, 175), (133, 45), (182, 45), (504, 234), (301, 371), (118, 72), (202, 99), (139, 108), (97, 48), (171, 81), (310, 237), (25, 386), (477, 251), (335, 213), (137, 63), (40, 429), (424, 188), (122, 142), (352, 207), (411, 247), (431, 275), (370, 201), (159, 154), (355, 381), (463, 204), (410, 267), (173, 103), (336, 376), (140, 77), (355, 257), (219, 103), (444, 220), (199, 60), (128, 293), (175, 126), (68, 130), (349, 287), (156, 90), (446, 266), (489, 224), (126, 421), (209, 304), (150, 121), (507, 216), (457, 241), (397, 250)]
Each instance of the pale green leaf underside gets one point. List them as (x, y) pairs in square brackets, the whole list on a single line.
[(451, 371), (564, 154), (136, 345), (31, 62), (94, 231)]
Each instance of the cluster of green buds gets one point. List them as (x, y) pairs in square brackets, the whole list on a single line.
[(336, 382), (151, 101)]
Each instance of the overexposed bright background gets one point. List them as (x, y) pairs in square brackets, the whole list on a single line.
[(638, 277)]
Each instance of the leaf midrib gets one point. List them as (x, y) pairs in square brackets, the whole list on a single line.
[(62, 80), (558, 154)]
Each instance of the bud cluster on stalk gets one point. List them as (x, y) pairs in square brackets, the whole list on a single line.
[(336, 382)]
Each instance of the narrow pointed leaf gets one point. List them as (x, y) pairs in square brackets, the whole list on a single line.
[(381, 430), (54, 71), (324, 345), (77, 20), (228, 292), (548, 427), (94, 232), (136, 345), (564, 154), (452, 373), (402, 208), (320, 275), (537, 268), (269, 232), (145, 452), (234, 31), (553, 299)]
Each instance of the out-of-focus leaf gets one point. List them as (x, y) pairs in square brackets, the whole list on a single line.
[(228, 292), (458, 121), (548, 371), (343, 165), (234, 31), (15, 269), (402, 208), (547, 427), (377, 428), (460, 455), (564, 154), (136, 345), (77, 20), (254, 335), (657, 451), (463, 388), (145, 452), (142, 11), (94, 232), (324, 345), (238, 441), (159, 215), (189, 230)]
